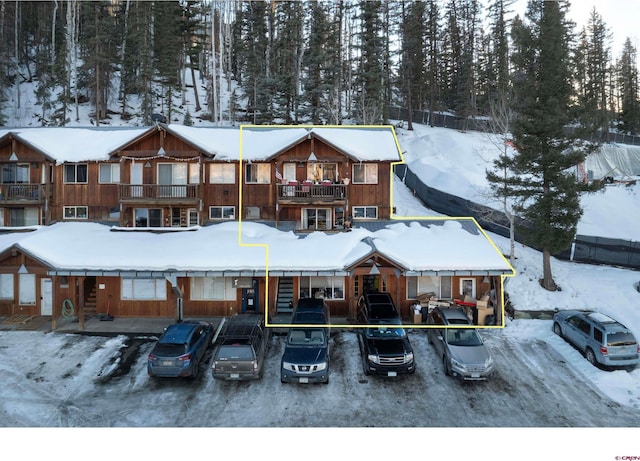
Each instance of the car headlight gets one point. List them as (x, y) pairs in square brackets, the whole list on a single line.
[(408, 358), (288, 366), (488, 363), (457, 364), (321, 366), (373, 358)]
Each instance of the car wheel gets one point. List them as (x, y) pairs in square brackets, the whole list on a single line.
[(365, 367), (556, 329), (282, 380), (445, 364), (591, 357)]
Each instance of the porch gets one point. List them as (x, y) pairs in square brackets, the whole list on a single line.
[(307, 192)]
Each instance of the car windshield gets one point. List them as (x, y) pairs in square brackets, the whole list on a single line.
[(234, 352), (620, 338), (387, 329), (306, 337), (463, 337)]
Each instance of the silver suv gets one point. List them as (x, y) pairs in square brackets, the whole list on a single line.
[(461, 350), (603, 340)]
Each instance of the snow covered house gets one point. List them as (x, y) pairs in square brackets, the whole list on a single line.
[(177, 221)]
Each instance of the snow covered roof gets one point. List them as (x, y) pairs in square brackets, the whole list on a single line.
[(216, 248), (76, 144), (257, 143)]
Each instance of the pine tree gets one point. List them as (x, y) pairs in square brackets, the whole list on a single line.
[(592, 69), (413, 58), (370, 76), (629, 118), (545, 156)]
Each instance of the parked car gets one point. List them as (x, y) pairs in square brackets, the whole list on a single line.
[(306, 353), (462, 350), (385, 348), (241, 348), (603, 340), (180, 350)]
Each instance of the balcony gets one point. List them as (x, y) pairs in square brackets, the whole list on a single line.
[(22, 193), (308, 193), (159, 193)]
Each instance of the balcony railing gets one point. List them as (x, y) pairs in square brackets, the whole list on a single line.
[(160, 192), (311, 192), (22, 192)]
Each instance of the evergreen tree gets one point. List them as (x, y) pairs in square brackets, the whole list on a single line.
[(629, 118), (317, 62), (370, 105), (413, 57), (168, 50), (545, 156), (592, 70)]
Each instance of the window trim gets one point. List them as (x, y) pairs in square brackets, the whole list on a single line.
[(113, 167), (148, 219), (473, 286), (222, 210), (364, 207), (75, 214), (230, 292), (75, 167), (158, 292), (224, 178), (442, 279), (258, 166), (331, 278), (366, 166), (7, 285), (15, 167)]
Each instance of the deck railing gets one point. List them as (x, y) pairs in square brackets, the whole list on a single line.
[(21, 192), (135, 192), (308, 192)]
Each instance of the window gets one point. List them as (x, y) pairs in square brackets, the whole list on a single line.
[(6, 286), (27, 290), (324, 287), (222, 212), (365, 173), (316, 218), (15, 173), (109, 173), (148, 217), (322, 172), (222, 173), (75, 173), (23, 217), (212, 289), (365, 212), (258, 173), (144, 289), (468, 287), (440, 285), (75, 212)]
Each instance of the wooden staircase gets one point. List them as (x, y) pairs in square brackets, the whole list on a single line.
[(90, 303), (284, 300)]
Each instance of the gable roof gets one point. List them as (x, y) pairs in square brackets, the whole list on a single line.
[(418, 247), (254, 143)]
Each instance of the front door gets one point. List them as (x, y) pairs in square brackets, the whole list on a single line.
[(136, 179), (250, 298), (46, 297)]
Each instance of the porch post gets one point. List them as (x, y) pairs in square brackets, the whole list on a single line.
[(80, 281)]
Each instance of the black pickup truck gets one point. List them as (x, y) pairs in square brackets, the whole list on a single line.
[(384, 344)]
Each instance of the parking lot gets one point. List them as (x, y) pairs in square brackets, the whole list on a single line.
[(72, 380)]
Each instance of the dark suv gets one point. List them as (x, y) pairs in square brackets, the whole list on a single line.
[(306, 352), (384, 344), (241, 349)]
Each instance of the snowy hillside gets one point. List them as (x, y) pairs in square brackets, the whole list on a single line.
[(456, 162)]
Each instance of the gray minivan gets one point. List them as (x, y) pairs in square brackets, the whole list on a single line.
[(241, 348), (603, 340)]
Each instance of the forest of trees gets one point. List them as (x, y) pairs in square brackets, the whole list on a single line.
[(295, 61)]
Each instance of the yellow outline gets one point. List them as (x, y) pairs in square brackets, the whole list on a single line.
[(393, 217)]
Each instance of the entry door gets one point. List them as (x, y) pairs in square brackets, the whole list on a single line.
[(250, 298), (46, 297), (136, 180)]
